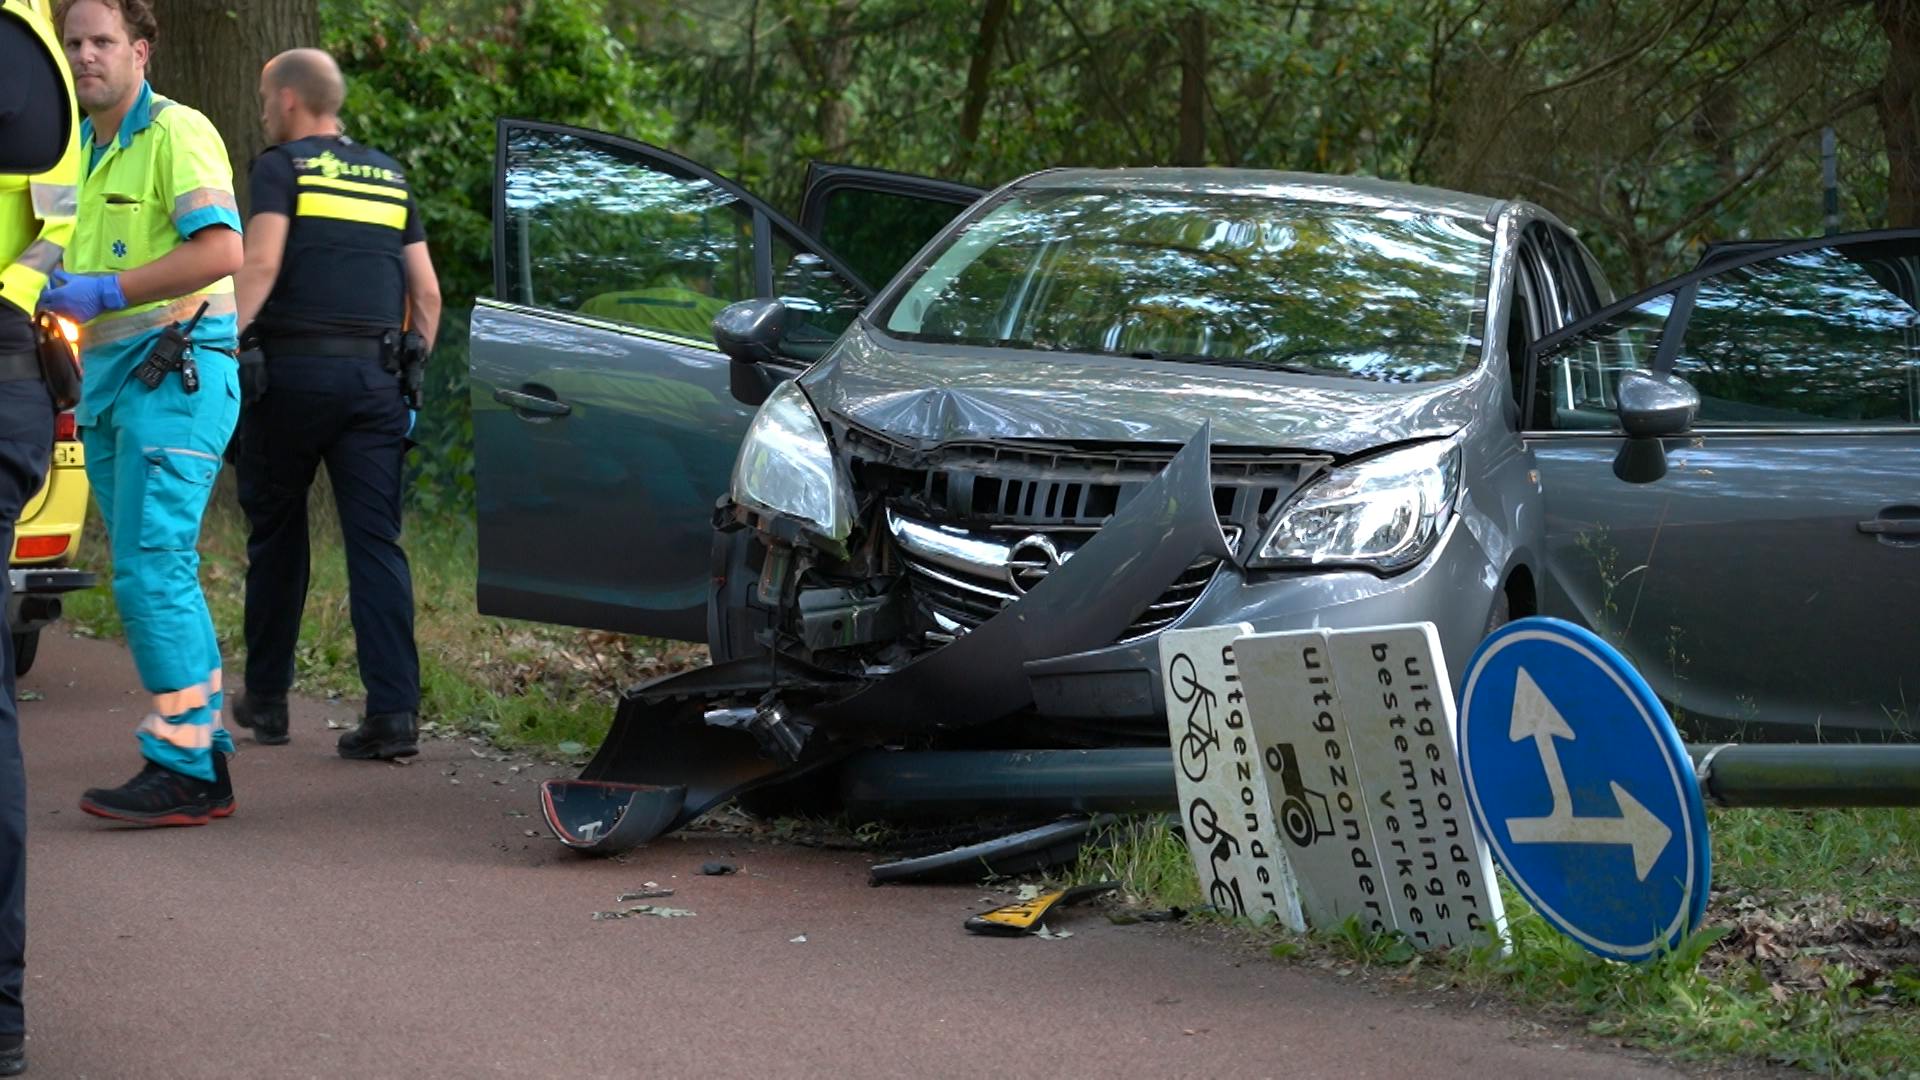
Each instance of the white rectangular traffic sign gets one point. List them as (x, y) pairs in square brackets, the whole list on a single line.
[(1392, 682), (1223, 798), (1300, 730)]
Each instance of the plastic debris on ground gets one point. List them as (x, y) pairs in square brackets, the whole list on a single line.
[(1026, 916), (643, 909)]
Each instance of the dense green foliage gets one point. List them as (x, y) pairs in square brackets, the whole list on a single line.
[(1650, 127)]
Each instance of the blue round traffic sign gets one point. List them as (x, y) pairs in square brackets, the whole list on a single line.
[(1580, 784)]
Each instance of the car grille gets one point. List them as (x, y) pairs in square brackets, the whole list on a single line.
[(958, 600), (992, 521)]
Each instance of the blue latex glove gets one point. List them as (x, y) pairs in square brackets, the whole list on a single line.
[(81, 297), (411, 415)]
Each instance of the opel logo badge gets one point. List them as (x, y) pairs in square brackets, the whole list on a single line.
[(1030, 560)]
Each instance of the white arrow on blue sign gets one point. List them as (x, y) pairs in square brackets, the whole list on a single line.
[(1580, 784)]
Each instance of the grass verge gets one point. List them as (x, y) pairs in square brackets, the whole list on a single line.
[(1810, 956), (522, 684)]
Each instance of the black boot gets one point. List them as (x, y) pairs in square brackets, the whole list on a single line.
[(160, 796), (264, 716), (13, 1055), (388, 735), (221, 796)]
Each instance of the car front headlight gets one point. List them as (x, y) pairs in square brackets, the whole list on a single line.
[(1385, 513), (786, 466)]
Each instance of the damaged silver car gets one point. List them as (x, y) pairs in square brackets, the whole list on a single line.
[(955, 513)]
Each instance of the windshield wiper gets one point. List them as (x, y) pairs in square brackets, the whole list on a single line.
[(1233, 362)]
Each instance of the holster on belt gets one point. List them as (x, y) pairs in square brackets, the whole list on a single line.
[(59, 361), (404, 353), (253, 367)]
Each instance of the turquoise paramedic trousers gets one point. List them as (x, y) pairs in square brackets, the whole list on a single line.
[(152, 457)]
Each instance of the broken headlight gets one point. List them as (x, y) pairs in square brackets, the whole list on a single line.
[(1384, 513), (786, 466)]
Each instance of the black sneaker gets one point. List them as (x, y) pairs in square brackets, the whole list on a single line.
[(13, 1055), (265, 717), (160, 796), (222, 792), (379, 738)]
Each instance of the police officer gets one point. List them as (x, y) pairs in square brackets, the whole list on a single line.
[(39, 174), (341, 295), (148, 271)]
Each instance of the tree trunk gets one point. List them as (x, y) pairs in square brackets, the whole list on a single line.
[(209, 56), (975, 109), (1193, 89), (827, 60), (1899, 107)]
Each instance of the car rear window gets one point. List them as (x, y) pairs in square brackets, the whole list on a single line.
[(1246, 279)]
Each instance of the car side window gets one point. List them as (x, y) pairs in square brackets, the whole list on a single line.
[(820, 302), (1526, 315), (599, 229), (1817, 338), (876, 232)]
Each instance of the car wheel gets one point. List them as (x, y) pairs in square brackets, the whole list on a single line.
[(25, 647), (1502, 612)]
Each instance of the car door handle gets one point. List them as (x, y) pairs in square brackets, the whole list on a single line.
[(532, 403), (1892, 526)]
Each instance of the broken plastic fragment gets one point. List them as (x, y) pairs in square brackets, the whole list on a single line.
[(643, 909), (1023, 917)]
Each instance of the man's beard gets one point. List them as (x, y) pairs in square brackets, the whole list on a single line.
[(98, 95)]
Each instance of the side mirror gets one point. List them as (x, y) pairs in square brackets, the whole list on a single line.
[(1652, 408), (749, 332)]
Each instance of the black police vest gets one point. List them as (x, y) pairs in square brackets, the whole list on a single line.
[(343, 271)]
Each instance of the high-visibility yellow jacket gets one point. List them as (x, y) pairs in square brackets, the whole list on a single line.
[(37, 212)]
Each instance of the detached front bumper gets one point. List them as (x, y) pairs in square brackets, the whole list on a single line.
[(33, 599)]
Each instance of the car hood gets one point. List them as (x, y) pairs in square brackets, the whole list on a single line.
[(926, 396)]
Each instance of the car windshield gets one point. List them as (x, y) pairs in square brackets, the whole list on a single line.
[(1242, 279)]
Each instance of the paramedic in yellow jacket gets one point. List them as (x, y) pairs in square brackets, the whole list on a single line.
[(157, 238)]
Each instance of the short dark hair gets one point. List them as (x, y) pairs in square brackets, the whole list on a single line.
[(136, 14)]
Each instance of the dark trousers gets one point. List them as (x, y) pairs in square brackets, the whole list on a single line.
[(26, 442), (347, 413)]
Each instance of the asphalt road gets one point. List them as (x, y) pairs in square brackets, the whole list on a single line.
[(370, 920)]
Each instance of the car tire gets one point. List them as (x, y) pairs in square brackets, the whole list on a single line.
[(25, 647), (1502, 612)]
